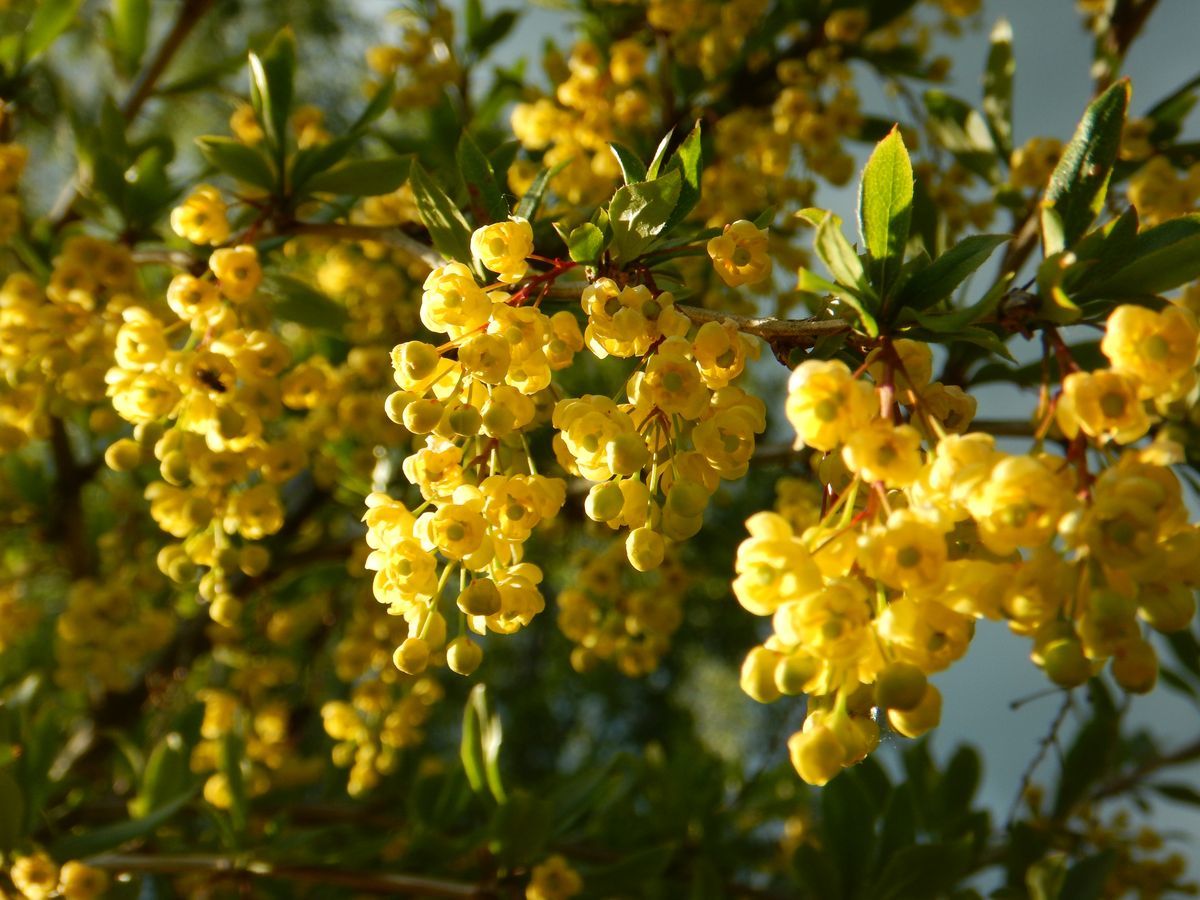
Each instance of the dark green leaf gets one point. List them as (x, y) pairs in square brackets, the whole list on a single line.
[(586, 243), (311, 161), (484, 193), (471, 745), (1179, 792), (1080, 180), (12, 811), (638, 214), (997, 86), (921, 871), (379, 103), (848, 827), (230, 754), (637, 867), (960, 128), (1086, 879), (88, 843), (167, 775), (632, 168), (1163, 258), (493, 31), (1087, 760), (885, 208), (239, 160), (362, 177), (298, 302), (939, 280), (447, 228), (529, 204)]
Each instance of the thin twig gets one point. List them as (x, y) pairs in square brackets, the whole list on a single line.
[(1185, 754), (1044, 745), (226, 866)]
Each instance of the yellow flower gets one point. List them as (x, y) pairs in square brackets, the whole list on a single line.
[(925, 633), (816, 754), (1157, 349), (720, 351), (82, 882), (826, 404), (452, 303), (832, 623), (553, 879), (773, 566), (1105, 405), (35, 876), (504, 247), (238, 271), (885, 452), (202, 217), (1020, 504), (909, 554), (739, 255)]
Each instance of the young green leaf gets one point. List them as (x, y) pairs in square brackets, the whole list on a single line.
[(998, 86), (835, 251), (237, 159), (639, 212), (688, 160), (362, 177), (632, 168), (960, 128), (272, 85), (885, 208), (585, 243), (1075, 193), (50, 19), (528, 206), (938, 281), (814, 284), (447, 228), (484, 194)]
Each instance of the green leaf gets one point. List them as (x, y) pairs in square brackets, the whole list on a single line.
[(1179, 792), (1089, 757), (483, 191), (471, 745), (639, 212), (1044, 878), (998, 86), (483, 32), (12, 811), (234, 158), (660, 156), (1163, 257), (939, 280), (885, 208), (1080, 180), (528, 207), (272, 85), (311, 161), (957, 126), (167, 775), (447, 228), (97, 840), (482, 736), (689, 162), (837, 254), (50, 19), (362, 177), (1086, 879), (814, 284), (379, 103), (586, 243), (130, 24), (303, 304), (921, 871), (632, 169)]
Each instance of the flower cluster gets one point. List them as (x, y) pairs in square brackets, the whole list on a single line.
[(610, 613), (922, 531), (470, 400)]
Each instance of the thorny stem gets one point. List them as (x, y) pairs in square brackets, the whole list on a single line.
[(1044, 745)]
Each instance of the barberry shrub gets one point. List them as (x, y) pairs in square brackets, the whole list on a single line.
[(406, 479)]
